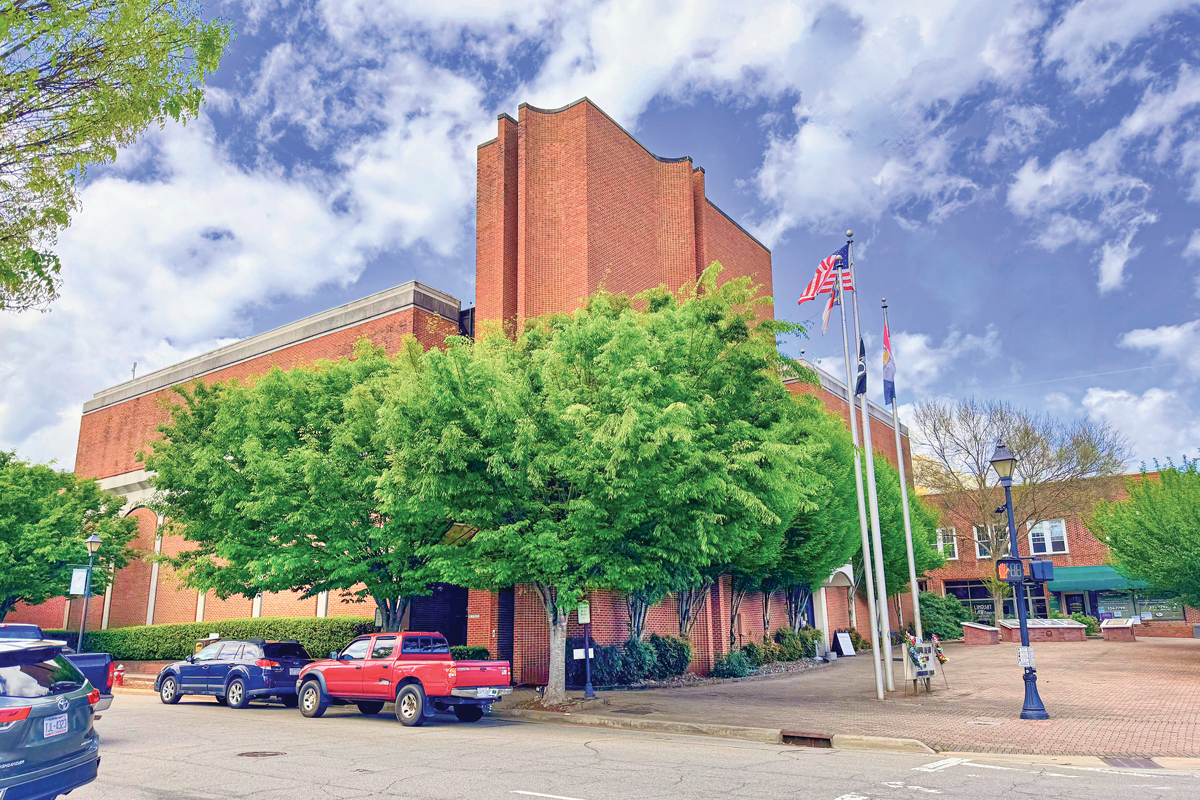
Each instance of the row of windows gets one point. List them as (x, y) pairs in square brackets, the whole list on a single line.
[(385, 646), (1048, 537)]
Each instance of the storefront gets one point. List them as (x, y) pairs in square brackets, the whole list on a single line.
[(1104, 593), (977, 597)]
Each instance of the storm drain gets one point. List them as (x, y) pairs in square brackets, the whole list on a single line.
[(641, 712), (806, 739), (261, 754), (1131, 763)]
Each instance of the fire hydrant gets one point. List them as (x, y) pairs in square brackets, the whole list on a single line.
[(119, 675)]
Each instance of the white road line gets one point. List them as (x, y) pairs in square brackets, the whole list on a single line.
[(938, 766), (903, 785), (553, 796), (852, 797)]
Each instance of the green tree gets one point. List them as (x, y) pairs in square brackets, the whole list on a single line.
[(44, 517), (1154, 534), (80, 79), (608, 449), (274, 484)]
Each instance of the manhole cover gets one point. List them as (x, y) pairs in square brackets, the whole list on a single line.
[(1131, 763), (261, 754)]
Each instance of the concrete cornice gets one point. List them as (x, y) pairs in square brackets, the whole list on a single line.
[(390, 301), (836, 387)]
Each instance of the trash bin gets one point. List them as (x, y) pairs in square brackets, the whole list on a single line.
[(1196, 631)]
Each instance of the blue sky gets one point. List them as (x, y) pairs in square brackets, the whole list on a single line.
[(1023, 180)]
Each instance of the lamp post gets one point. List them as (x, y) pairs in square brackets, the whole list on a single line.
[(93, 544), (1004, 464)]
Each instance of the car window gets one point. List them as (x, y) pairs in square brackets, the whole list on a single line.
[(357, 650), (31, 632), (208, 653), (284, 650), (438, 646), (37, 673), (229, 651), (412, 644), (384, 647)]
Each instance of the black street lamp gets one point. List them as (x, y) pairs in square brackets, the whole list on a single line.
[(1004, 464), (93, 544)]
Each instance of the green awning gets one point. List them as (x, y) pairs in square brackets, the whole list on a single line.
[(1091, 579)]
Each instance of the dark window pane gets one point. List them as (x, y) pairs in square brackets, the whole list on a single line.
[(384, 647), (438, 646), (284, 650), (35, 673)]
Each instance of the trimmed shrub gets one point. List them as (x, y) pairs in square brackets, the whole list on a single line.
[(318, 635), (672, 656), (1093, 624), (942, 616), (638, 661), (462, 652), (795, 645), (753, 654), (731, 665)]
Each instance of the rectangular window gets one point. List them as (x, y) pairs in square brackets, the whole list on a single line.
[(1048, 537), (983, 546), (948, 543), (384, 647)]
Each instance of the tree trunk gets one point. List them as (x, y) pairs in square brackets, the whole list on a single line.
[(392, 609), (766, 611), (688, 603), (997, 606), (899, 612), (853, 596), (735, 603), (7, 605), (637, 604), (797, 600), (556, 683)]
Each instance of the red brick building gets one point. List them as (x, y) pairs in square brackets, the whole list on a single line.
[(1084, 582), (568, 203)]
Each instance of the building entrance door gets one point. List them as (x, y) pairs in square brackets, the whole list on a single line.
[(1074, 604)]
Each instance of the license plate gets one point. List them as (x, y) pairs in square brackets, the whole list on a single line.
[(55, 726), (294, 671), (486, 692)]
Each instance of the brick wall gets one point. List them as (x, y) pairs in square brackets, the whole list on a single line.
[(131, 587), (495, 225), (48, 615), (883, 436)]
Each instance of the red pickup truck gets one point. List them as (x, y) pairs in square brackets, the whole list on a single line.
[(412, 669)]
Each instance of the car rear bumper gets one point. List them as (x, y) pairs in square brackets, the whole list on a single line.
[(53, 781), (482, 692), (104, 704)]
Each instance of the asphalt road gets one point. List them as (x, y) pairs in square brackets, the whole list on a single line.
[(198, 749)]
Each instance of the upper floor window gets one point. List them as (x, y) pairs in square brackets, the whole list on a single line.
[(1048, 537), (948, 543), (985, 537)]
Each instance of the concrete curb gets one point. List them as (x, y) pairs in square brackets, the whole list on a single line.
[(766, 735), (133, 690), (842, 741)]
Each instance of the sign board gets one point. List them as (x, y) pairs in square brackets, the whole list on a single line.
[(1025, 656), (842, 643), (584, 613), (1011, 570), (579, 652), (79, 581), (919, 661)]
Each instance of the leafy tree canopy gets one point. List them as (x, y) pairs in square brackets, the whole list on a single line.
[(274, 484), (44, 517), (80, 79), (1154, 534)]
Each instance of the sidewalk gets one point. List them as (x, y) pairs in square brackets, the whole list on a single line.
[(1138, 699)]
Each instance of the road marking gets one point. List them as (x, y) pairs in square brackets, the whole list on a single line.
[(903, 785), (558, 796), (852, 797), (938, 766)]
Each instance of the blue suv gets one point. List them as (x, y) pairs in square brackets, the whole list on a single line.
[(235, 672)]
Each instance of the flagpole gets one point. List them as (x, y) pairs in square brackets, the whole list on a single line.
[(908, 540), (869, 454), (858, 486)]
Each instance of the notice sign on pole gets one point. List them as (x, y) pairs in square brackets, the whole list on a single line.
[(584, 613), (79, 581)]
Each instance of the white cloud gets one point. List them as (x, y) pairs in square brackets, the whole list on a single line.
[(1019, 128), (1193, 246), (1160, 423), (922, 365), (1178, 343), (1093, 34)]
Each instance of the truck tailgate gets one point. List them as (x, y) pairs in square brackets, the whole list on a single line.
[(481, 673)]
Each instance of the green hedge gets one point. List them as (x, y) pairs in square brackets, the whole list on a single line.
[(462, 652), (634, 661), (732, 665), (1091, 623), (319, 636), (942, 616)]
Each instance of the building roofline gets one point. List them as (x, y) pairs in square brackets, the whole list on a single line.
[(620, 127), (412, 294), (837, 388), (738, 225)]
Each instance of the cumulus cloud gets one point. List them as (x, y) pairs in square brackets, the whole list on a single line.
[(1160, 423), (923, 364), (1178, 343)]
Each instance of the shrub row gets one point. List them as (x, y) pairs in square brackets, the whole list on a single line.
[(1092, 624), (462, 652), (786, 645), (318, 635), (660, 658)]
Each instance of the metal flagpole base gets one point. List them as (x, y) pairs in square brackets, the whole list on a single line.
[(1033, 708)]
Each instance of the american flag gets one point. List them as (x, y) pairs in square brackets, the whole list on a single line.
[(828, 270)]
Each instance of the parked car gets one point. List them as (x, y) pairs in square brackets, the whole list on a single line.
[(98, 668), (412, 669), (48, 745), (236, 671)]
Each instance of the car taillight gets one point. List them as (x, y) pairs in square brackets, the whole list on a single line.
[(94, 696), (266, 663), (11, 716), (112, 670), (452, 672)]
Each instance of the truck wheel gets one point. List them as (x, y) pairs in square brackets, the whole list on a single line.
[(168, 691), (410, 705), (370, 708), (467, 713), (312, 700), (289, 700), (236, 695)]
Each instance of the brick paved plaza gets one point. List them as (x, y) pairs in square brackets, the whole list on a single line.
[(1104, 698)]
